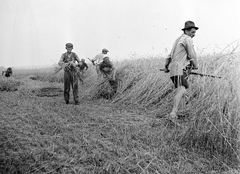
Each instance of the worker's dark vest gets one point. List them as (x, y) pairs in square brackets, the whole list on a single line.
[(67, 59), (105, 65), (82, 66)]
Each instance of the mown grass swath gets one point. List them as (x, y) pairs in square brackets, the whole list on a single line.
[(74, 141)]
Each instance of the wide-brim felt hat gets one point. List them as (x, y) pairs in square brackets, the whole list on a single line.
[(189, 24)]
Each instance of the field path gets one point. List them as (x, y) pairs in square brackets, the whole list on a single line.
[(30, 100)]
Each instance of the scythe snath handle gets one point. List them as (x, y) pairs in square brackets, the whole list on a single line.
[(200, 74), (92, 61), (194, 73)]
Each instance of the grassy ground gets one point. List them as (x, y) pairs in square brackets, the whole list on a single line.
[(41, 134)]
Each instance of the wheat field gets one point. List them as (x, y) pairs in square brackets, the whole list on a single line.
[(128, 132)]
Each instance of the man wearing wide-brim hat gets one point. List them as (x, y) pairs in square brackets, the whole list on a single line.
[(181, 55)]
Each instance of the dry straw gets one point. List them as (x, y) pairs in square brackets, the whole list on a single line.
[(210, 107), (9, 84), (210, 124)]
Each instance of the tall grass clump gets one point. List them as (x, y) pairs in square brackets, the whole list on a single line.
[(47, 136), (10, 84), (210, 107), (128, 74), (215, 111)]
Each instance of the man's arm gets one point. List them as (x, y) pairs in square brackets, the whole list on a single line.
[(95, 58), (170, 55), (114, 71), (61, 62), (77, 58), (86, 66), (168, 61), (191, 53)]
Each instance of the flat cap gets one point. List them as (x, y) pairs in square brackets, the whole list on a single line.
[(104, 50), (69, 45)]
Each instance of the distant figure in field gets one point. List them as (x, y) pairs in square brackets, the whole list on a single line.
[(68, 62), (83, 67), (108, 71), (181, 56), (8, 72), (99, 58)]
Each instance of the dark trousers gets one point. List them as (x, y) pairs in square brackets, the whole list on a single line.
[(70, 79)]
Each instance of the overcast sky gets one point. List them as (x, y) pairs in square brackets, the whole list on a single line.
[(34, 32)]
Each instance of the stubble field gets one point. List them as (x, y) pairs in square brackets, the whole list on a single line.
[(128, 133)]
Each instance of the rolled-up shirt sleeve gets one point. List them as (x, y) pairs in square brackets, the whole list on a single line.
[(189, 48), (95, 58)]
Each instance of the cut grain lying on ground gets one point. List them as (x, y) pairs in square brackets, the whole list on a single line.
[(127, 132)]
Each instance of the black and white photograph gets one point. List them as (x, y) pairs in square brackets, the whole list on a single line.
[(120, 87)]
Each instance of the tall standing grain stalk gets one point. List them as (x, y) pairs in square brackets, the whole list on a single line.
[(56, 75), (211, 105), (139, 77), (215, 114)]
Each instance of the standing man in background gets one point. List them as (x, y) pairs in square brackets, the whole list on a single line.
[(67, 61), (99, 58), (182, 54)]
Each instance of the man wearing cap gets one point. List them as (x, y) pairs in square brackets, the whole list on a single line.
[(67, 62), (99, 58), (107, 68), (181, 55), (109, 72)]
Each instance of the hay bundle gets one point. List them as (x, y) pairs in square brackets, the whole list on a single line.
[(103, 89)]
